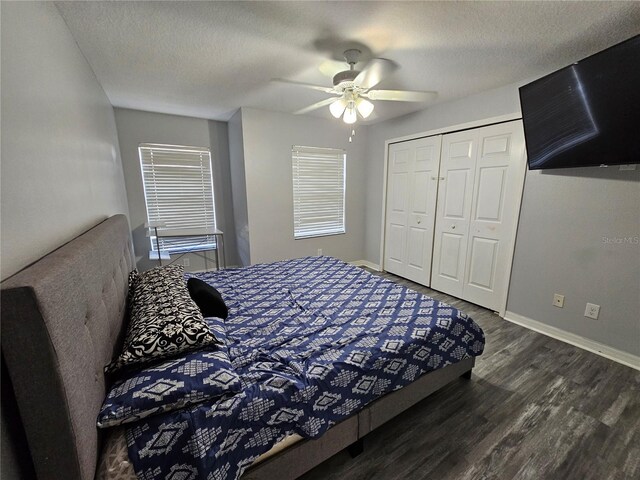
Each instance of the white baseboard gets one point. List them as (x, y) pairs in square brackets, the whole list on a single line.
[(601, 349), (366, 263)]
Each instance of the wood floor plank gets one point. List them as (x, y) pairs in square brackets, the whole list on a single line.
[(535, 408)]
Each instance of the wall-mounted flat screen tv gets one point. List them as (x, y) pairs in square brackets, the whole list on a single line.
[(587, 114)]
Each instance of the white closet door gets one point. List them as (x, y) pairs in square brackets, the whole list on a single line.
[(478, 207), (457, 172), (500, 170), (410, 209), (397, 214)]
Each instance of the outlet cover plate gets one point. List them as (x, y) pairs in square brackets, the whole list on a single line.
[(558, 300), (592, 311)]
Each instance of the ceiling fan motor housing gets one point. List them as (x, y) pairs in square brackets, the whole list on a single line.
[(345, 79), (345, 76)]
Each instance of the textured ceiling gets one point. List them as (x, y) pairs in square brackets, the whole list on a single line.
[(206, 59)]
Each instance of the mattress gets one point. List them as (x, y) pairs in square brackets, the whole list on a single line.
[(314, 341)]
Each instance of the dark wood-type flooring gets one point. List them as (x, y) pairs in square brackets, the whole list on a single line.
[(535, 408)]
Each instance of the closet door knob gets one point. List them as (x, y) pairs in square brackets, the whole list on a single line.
[(453, 227)]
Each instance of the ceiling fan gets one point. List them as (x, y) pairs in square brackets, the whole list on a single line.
[(353, 89)]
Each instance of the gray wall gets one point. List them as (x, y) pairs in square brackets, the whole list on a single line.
[(268, 138), (578, 236), (136, 127), (61, 169), (219, 144), (239, 189), (564, 217)]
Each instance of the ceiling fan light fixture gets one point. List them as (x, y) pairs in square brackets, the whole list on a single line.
[(337, 108), (352, 91), (350, 115), (365, 107)]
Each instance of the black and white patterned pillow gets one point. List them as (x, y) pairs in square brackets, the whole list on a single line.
[(132, 280), (164, 321)]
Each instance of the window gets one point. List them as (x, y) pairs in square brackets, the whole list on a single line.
[(318, 191), (178, 190)]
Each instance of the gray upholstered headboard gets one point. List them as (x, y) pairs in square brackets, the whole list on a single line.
[(62, 319)]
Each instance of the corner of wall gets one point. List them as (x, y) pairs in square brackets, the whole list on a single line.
[(219, 141), (239, 188)]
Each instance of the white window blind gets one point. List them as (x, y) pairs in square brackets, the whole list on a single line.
[(178, 190), (318, 191)]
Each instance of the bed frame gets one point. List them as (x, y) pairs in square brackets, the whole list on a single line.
[(63, 320)]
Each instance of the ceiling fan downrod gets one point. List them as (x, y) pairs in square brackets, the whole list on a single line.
[(351, 56)]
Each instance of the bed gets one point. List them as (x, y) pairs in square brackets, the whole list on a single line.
[(63, 320)]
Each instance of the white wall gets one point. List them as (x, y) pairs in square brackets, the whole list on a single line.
[(61, 168), (564, 217), (268, 138), (136, 127)]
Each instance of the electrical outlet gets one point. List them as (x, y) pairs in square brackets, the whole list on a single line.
[(186, 262), (592, 311), (558, 300), (319, 252)]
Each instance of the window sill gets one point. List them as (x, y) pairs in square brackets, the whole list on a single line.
[(315, 235)]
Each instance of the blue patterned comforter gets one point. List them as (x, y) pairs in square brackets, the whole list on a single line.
[(313, 340)]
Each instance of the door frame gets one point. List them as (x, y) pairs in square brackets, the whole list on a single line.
[(443, 131)]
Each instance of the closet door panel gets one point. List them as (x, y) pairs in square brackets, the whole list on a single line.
[(455, 191), (456, 194), (423, 209), (490, 194), (482, 262), (411, 207), (450, 252), (397, 241), (397, 211), (416, 251), (500, 173)]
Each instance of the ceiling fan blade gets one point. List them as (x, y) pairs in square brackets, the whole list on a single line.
[(302, 84), (315, 106), (401, 95), (374, 72)]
